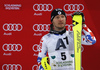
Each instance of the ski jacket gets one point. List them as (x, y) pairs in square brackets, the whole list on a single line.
[(60, 48)]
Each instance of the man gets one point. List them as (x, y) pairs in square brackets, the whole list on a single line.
[(59, 42)]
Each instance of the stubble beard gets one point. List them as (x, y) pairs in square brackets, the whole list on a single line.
[(59, 28)]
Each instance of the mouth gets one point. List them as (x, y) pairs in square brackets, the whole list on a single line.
[(60, 23)]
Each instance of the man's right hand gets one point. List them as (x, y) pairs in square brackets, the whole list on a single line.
[(41, 68)]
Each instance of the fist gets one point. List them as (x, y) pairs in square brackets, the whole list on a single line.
[(41, 68), (79, 13)]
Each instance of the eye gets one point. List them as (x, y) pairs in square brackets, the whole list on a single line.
[(57, 17), (62, 16)]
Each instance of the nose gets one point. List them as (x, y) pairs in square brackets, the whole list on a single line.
[(60, 19)]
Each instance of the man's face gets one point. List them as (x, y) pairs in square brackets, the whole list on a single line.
[(59, 22)]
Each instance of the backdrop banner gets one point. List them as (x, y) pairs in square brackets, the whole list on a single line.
[(24, 22)]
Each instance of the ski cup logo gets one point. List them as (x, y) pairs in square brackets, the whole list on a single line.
[(46, 27), (11, 67), (12, 27), (12, 47), (36, 48), (41, 27), (35, 67), (42, 7), (73, 7)]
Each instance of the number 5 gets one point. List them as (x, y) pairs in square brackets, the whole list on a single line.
[(63, 56)]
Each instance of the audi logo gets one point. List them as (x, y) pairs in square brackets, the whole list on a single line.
[(46, 27), (42, 7), (12, 47), (12, 27), (41, 27), (11, 67), (35, 67), (36, 47), (73, 7)]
